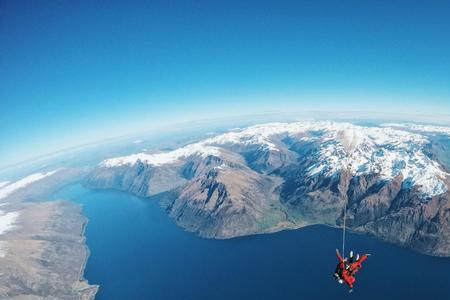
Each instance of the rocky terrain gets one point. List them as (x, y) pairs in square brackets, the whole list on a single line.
[(392, 180), (42, 244)]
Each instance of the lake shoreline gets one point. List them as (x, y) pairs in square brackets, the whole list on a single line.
[(92, 291), (46, 253), (156, 270)]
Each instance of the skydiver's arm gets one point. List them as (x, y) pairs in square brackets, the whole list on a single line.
[(358, 264), (363, 258), (338, 255)]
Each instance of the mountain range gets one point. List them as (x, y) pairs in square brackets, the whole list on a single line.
[(391, 179)]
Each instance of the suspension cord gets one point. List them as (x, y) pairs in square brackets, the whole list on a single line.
[(343, 230)]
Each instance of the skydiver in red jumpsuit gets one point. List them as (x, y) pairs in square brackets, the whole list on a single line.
[(346, 268)]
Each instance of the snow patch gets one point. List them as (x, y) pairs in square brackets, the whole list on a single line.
[(19, 184), (7, 223), (221, 167), (3, 183)]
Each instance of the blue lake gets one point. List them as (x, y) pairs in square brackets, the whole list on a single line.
[(137, 252)]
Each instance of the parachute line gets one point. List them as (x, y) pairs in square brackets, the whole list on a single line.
[(343, 229)]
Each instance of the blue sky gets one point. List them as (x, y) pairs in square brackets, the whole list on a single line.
[(73, 72)]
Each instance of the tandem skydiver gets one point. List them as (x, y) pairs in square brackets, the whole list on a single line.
[(346, 268)]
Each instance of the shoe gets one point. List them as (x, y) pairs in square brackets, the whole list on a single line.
[(341, 281), (350, 290)]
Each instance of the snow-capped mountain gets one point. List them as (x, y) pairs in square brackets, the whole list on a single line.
[(285, 175), (362, 150)]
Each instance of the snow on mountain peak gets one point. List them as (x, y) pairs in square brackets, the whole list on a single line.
[(384, 151), (387, 150), (158, 159)]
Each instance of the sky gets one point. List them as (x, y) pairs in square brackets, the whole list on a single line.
[(75, 72)]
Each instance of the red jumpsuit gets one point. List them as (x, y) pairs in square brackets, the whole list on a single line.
[(355, 266), (346, 275)]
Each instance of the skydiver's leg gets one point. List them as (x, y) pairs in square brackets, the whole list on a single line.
[(336, 274), (349, 280), (338, 268)]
